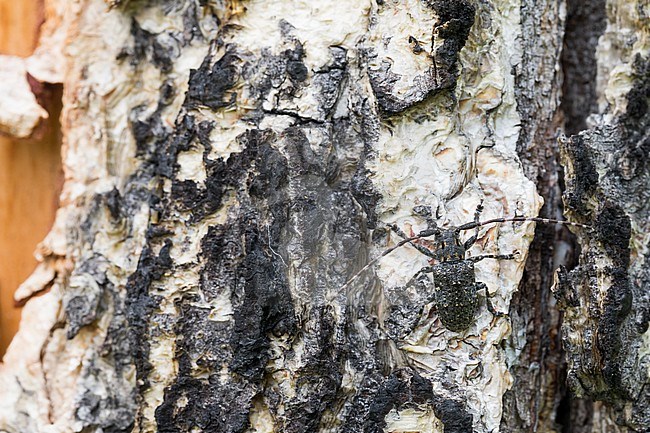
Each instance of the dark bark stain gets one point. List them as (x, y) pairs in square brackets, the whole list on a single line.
[(160, 49), (329, 79), (296, 69), (403, 389), (456, 20), (586, 183), (292, 58), (239, 262), (320, 379), (212, 406), (151, 267), (613, 231), (210, 83), (151, 133), (109, 410), (634, 164)]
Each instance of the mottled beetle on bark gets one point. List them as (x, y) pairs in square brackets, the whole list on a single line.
[(456, 290)]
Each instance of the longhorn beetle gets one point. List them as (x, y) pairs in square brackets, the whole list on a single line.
[(455, 287)]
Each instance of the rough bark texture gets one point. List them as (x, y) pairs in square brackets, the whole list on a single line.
[(229, 166), (531, 403), (605, 299)]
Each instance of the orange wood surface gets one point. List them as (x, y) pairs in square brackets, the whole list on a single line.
[(30, 173)]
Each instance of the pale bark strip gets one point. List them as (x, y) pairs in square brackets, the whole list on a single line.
[(71, 365)]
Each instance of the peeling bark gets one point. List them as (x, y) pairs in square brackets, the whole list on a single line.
[(230, 165)]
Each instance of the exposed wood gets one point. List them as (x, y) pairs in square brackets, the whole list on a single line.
[(19, 26), (30, 173)]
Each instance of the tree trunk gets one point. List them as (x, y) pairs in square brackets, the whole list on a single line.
[(231, 168)]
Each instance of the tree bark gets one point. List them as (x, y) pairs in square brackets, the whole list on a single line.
[(230, 166)]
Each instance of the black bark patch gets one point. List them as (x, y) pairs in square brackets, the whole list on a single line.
[(222, 175), (202, 349), (116, 346), (109, 400), (328, 80), (166, 150), (404, 389), (110, 404), (82, 299), (612, 227), (210, 84), (276, 80), (107, 409), (320, 379), (159, 49), (608, 189), (617, 307), (453, 415), (80, 310), (613, 230), (115, 204), (241, 263), (206, 404), (140, 304), (292, 57), (149, 131), (633, 163), (586, 182), (296, 69), (456, 18), (265, 307)]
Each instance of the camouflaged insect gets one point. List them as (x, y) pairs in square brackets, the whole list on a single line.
[(456, 291)]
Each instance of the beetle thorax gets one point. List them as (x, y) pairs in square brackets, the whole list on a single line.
[(449, 246)]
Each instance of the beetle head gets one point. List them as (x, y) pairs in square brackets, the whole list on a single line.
[(448, 246)]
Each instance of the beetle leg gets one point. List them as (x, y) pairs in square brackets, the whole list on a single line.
[(423, 271), (481, 286), (477, 216), (421, 248), (475, 259)]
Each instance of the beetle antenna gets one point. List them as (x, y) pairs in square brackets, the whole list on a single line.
[(376, 259), (474, 224), (422, 234), (432, 231)]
